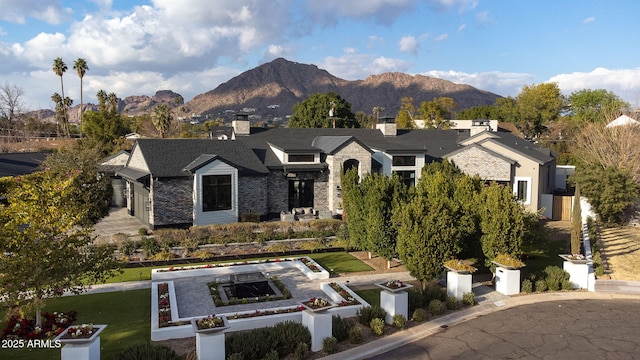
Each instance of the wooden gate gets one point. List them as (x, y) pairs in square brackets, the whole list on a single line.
[(562, 207)]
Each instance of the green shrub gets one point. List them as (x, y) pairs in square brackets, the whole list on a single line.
[(416, 299), (339, 328), (127, 247), (434, 292), (377, 326), (250, 217), (283, 337), (355, 335), (399, 321), (143, 231), (146, 351), (567, 285), (330, 345), (469, 298), (555, 276), (301, 351), (312, 246), (436, 307), (235, 356), (368, 313), (202, 254), (271, 355), (599, 270), (541, 285), (163, 255), (452, 303), (527, 286), (279, 248), (419, 315), (149, 246)]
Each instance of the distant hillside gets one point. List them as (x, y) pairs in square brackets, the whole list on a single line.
[(275, 87)]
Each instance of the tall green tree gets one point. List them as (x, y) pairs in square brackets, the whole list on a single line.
[(81, 68), (316, 111), (354, 209), (576, 222), (537, 105), (489, 112), (59, 68), (61, 104), (503, 222), (162, 118), (437, 112), (406, 114), (596, 105), (44, 249)]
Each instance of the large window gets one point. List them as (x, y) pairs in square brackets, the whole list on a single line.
[(522, 189), (301, 158), (407, 177), (300, 193), (404, 161), (216, 192)]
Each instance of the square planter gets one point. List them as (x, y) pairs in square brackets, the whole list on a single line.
[(394, 289), (309, 306), (81, 347), (319, 324), (394, 303), (507, 281), (458, 284), (223, 326), (210, 341), (578, 274)]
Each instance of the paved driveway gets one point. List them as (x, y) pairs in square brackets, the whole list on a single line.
[(571, 329)]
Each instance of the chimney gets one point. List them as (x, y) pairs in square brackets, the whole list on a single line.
[(388, 126), (241, 125)]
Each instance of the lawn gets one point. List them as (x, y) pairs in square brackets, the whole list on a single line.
[(372, 296), (127, 315), (340, 262)]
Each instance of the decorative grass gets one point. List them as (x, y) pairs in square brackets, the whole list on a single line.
[(127, 315)]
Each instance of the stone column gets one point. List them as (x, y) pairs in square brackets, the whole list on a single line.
[(78, 348), (458, 284), (210, 346), (507, 281), (578, 274), (394, 303), (320, 326)]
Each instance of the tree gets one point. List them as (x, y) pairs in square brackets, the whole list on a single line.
[(112, 99), (490, 112), (44, 249), (315, 112), (438, 112), (81, 67), (576, 222), (59, 68), (11, 106), (365, 121), (596, 105), (503, 222), (162, 118), (61, 115), (377, 110), (537, 105), (404, 118)]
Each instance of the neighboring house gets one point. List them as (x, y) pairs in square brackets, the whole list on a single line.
[(622, 120), (16, 164), (182, 182), (110, 166), (508, 159), (473, 126)]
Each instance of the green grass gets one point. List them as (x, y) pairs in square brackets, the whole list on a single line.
[(127, 315), (544, 253), (372, 296), (340, 262)]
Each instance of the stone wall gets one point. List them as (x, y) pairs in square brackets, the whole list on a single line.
[(474, 161), (172, 201), (252, 194)]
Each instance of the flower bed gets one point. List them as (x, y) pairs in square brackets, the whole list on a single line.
[(52, 325), (164, 305), (224, 265), (79, 331), (394, 286), (347, 299), (310, 264)]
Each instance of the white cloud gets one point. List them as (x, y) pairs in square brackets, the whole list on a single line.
[(589, 20), (623, 82), (408, 44), (441, 37), (358, 66), (462, 27), (501, 83), (383, 11), (462, 5), (483, 18), (17, 11)]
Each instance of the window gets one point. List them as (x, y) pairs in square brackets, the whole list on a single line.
[(404, 161), (407, 177), (301, 158), (300, 193), (216, 192), (522, 189)]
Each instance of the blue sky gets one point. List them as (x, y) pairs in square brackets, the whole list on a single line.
[(192, 46)]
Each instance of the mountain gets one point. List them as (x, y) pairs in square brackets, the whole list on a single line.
[(272, 89)]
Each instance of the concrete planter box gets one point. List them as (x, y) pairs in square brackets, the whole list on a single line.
[(310, 274), (262, 321), (394, 303), (458, 284), (343, 311), (507, 281), (578, 274), (81, 348)]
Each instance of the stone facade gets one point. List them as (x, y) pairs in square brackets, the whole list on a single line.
[(252, 196), (172, 202), (352, 151), (474, 160)]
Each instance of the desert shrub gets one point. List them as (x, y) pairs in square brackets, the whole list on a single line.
[(377, 326), (301, 351), (127, 247), (250, 217), (312, 246), (452, 303), (434, 292), (119, 237), (355, 335), (541, 285), (163, 255), (279, 247), (330, 345), (469, 298), (331, 225), (202, 254), (399, 321), (567, 285), (599, 270), (189, 245), (368, 313), (436, 307), (283, 337), (149, 246), (419, 315), (339, 328), (527, 286), (146, 351), (554, 277), (143, 231), (235, 356), (415, 299)]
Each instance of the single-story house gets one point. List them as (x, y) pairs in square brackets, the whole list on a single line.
[(183, 182)]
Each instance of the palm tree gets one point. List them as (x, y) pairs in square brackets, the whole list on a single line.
[(112, 98), (162, 118), (102, 100), (59, 68), (81, 67)]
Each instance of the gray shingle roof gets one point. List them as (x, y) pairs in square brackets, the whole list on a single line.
[(15, 164), (169, 157)]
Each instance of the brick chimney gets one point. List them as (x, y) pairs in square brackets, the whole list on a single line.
[(241, 125), (388, 126)]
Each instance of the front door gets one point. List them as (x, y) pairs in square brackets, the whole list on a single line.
[(300, 193)]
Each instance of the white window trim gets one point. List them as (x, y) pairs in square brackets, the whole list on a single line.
[(316, 159), (516, 179)]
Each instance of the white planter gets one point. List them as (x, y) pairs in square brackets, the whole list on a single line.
[(210, 346), (507, 281), (578, 274), (458, 284), (319, 324), (81, 348), (394, 303)]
